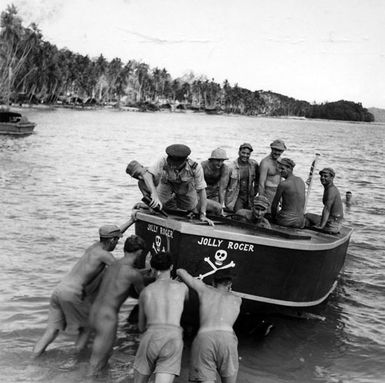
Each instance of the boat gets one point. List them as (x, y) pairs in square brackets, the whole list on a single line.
[(12, 123), (280, 267)]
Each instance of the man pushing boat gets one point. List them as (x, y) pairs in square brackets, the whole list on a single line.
[(175, 182)]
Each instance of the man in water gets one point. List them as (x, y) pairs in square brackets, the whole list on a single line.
[(215, 348), (256, 215), (175, 181), (349, 199), (71, 300), (332, 213), (215, 171), (292, 193), (160, 310), (269, 174), (114, 290), (241, 180)]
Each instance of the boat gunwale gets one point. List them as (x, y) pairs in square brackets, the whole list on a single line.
[(255, 238)]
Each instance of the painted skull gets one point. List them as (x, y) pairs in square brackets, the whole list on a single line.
[(220, 257), (158, 242)]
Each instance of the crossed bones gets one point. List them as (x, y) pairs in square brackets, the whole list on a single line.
[(215, 269)]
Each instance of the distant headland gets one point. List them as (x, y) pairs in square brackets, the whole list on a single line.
[(34, 71)]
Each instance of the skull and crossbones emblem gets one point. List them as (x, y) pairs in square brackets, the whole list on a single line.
[(220, 256), (157, 244)]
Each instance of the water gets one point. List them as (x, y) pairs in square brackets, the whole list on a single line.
[(60, 184)]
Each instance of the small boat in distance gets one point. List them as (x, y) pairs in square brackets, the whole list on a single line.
[(281, 266), (15, 124)]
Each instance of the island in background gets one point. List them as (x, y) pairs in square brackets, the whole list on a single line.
[(34, 71)]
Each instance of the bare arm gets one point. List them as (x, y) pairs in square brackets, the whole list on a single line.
[(262, 178), (330, 197), (127, 224), (142, 322), (189, 280), (149, 181), (203, 205), (223, 181), (277, 197)]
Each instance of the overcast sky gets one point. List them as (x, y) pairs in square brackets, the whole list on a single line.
[(320, 51)]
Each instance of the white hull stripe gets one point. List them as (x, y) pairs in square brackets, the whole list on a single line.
[(286, 303)]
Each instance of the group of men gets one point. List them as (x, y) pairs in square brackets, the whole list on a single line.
[(241, 189), (90, 296)]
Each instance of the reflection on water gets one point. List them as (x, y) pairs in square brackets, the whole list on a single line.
[(61, 183)]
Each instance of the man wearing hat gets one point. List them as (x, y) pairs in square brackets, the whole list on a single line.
[(175, 181), (71, 300), (241, 180), (333, 213), (215, 171), (291, 193), (257, 213), (269, 175)]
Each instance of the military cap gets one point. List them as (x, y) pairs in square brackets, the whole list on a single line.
[(110, 231), (328, 170), (278, 144), (178, 150), (261, 200), (287, 162), (246, 146), (135, 169)]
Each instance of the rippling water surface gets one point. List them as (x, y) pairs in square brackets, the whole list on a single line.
[(60, 184)]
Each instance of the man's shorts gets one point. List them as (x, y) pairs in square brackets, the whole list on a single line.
[(212, 351), (67, 309), (160, 350)]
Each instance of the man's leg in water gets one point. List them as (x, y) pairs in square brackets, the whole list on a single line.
[(48, 337)]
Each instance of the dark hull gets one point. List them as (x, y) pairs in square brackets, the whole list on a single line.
[(284, 267), (16, 129)]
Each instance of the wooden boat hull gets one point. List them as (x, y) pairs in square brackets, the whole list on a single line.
[(284, 267), (17, 129)]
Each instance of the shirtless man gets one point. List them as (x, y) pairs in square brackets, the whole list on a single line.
[(113, 291), (160, 310), (215, 171), (71, 300), (215, 348), (333, 213), (269, 174), (256, 214), (292, 193)]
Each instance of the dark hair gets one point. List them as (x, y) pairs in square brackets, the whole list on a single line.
[(133, 243), (222, 277), (161, 261)]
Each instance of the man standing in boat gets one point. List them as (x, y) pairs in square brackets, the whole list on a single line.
[(160, 310), (114, 290), (333, 213), (215, 348), (269, 174), (215, 172), (175, 181), (71, 300), (291, 193), (241, 180)]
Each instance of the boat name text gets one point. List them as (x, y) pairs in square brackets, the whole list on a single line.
[(214, 242), (161, 230)]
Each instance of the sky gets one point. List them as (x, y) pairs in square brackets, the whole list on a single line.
[(318, 51)]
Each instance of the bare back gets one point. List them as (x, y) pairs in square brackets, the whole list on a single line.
[(293, 195), (89, 266), (218, 309), (162, 302)]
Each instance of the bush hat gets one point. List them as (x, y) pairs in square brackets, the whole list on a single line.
[(278, 144), (218, 154), (178, 151), (110, 231)]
